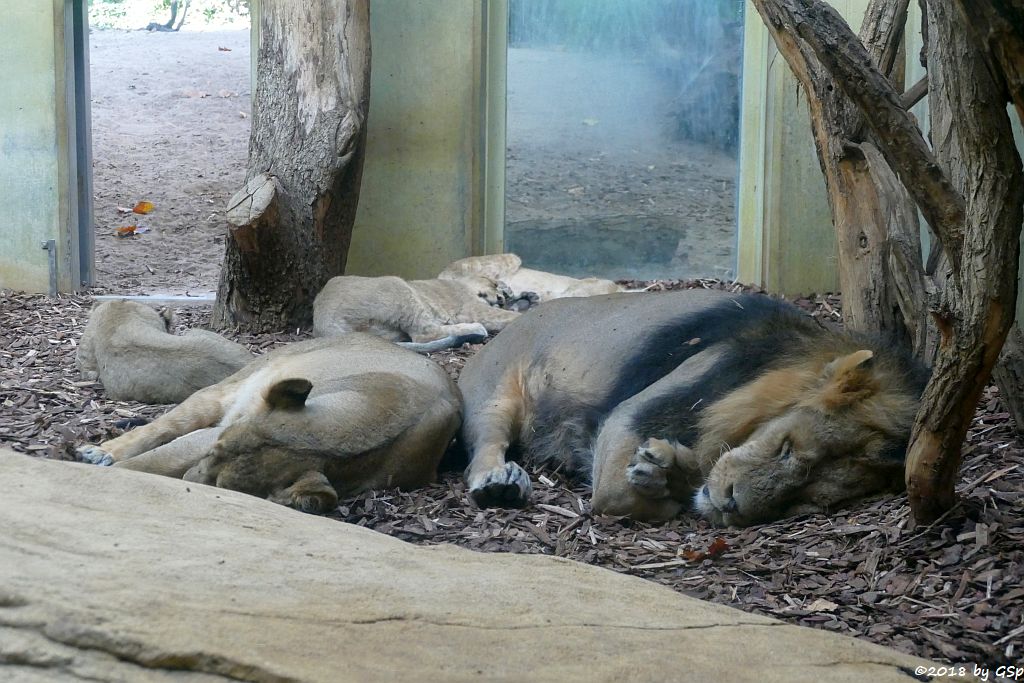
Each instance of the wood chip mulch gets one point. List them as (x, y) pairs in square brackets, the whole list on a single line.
[(951, 592)]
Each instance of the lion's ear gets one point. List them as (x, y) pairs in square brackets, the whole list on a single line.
[(848, 379), (289, 394)]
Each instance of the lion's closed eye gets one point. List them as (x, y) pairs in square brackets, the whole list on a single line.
[(786, 452)]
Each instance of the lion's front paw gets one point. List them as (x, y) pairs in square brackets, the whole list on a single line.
[(312, 493), (648, 469), (523, 302), (94, 454), (507, 486)]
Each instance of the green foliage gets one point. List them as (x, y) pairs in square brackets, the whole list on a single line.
[(135, 14)]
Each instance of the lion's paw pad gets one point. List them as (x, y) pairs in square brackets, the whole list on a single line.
[(507, 486), (94, 455)]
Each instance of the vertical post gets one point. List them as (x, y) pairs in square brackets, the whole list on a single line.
[(79, 95), (493, 128), (50, 246)]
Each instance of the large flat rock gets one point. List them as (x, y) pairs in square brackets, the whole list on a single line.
[(121, 576)]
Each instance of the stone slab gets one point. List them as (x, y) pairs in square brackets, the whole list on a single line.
[(116, 575)]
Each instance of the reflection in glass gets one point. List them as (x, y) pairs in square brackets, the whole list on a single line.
[(623, 120)]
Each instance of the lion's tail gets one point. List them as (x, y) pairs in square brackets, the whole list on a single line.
[(450, 342)]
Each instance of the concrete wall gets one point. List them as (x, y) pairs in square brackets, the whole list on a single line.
[(36, 142), (424, 192)]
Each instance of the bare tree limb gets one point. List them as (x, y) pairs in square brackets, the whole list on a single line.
[(915, 93), (900, 140), (876, 224), (882, 33), (974, 142)]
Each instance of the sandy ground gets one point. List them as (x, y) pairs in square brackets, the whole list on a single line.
[(597, 184), (170, 114)]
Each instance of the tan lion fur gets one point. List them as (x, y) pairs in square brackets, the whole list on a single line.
[(129, 348), (410, 310), (304, 424), (834, 406), (508, 268), (749, 411)]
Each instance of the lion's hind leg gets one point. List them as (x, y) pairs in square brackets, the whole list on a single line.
[(433, 332), (439, 337), (493, 319)]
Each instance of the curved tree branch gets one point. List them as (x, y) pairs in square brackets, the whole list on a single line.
[(841, 53)]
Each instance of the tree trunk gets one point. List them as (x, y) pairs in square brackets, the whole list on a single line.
[(1009, 375), (974, 142), (999, 27), (979, 235), (184, 13), (174, 15), (291, 224)]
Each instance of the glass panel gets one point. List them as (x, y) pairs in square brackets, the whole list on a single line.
[(623, 119)]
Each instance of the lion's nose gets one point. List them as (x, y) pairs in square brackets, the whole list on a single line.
[(730, 504)]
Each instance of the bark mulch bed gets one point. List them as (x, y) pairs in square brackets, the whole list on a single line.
[(950, 592)]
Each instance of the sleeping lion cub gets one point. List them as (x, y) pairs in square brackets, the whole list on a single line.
[(463, 304), (508, 269), (129, 348), (422, 315)]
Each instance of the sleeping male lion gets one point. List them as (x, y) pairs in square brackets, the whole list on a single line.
[(738, 403), (304, 424)]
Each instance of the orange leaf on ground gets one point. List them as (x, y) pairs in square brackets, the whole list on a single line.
[(126, 231), (717, 547), (143, 207), (692, 555)]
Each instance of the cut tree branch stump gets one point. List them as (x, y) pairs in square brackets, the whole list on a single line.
[(291, 224), (253, 200)]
